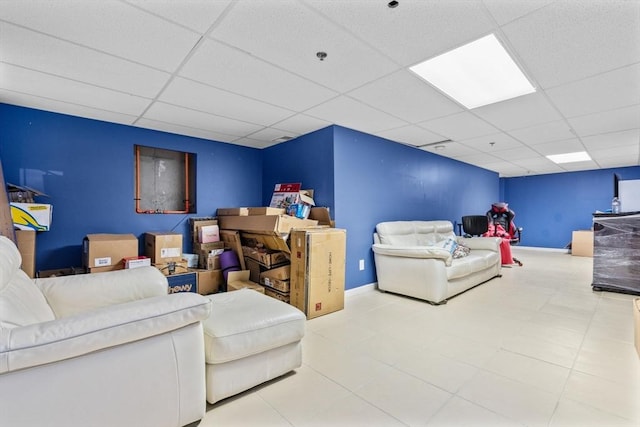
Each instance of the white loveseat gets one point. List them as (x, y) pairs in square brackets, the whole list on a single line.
[(105, 349), (413, 258)]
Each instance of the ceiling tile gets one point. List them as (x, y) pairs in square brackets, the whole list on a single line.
[(268, 135), (607, 91), (546, 132), (454, 150), (521, 112), (617, 162), (197, 15), (197, 96), (50, 55), (505, 11), (579, 166), (560, 147), (459, 126), (628, 151), (513, 154), (289, 34), (253, 143), (302, 124), (478, 158), (47, 104), (609, 121), (415, 30), (350, 113), (109, 26), (611, 140), (493, 142), (505, 169), (404, 95), (233, 70), (172, 114), (184, 130), (42, 85), (569, 40), (411, 134)]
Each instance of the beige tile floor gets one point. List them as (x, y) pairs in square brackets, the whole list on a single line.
[(536, 347)]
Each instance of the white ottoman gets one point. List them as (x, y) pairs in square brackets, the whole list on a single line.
[(249, 338)]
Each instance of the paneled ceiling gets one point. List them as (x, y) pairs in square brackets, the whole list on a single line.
[(246, 72)]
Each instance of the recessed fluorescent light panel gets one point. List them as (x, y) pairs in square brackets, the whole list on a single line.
[(578, 156), (476, 74)]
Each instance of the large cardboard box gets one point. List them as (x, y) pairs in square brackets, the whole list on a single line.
[(636, 318), (278, 223), (582, 243), (267, 257), (318, 259), (282, 296), (277, 278), (26, 243), (163, 246), (105, 252), (232, 211), (31, 216)]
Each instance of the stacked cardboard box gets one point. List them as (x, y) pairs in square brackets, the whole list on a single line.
[(165, 250), (105, 252), (206, 241)]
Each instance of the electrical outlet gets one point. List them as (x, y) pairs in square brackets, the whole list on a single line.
[(361, 264)]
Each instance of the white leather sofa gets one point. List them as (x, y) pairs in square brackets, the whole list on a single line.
[(105, 349), (413, 258)]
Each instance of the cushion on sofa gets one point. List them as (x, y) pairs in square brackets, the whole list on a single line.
[(414, 233), (476, 261), (21, 303)]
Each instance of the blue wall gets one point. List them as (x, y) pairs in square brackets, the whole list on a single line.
[(550, 207), (307, 159), (379, 180), (87, 169)]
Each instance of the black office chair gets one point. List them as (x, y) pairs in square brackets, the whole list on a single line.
[(474, 225)]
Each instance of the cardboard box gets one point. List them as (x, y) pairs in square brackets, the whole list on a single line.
[(26, 243), (192, 260), (209, 281), (322, 215), (232, 211), (318, 270), (285, 195), (196, 222), (636, 318), (231, 239), (284, 297), (278, 223), (255, 268), (582, 243), (163, 246), (173, 267), (105, 252), (31, 216), (266, 210), (277, 278), (208, 233), (186, 282), (136, 262), (267, 257), (213, 262), (22, 194), (237, 280)]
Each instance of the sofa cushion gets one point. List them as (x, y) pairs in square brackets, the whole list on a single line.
[(477, 260), (22, 303), (414, 233)]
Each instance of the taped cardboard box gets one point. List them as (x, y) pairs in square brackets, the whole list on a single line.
[(232, 211), (255, 268), (163, 246), (237, 280), (318, 270), (582, 243), (196, 222), (136, 262), (105, 252), (279, 223), (269, 258), (277, 278)]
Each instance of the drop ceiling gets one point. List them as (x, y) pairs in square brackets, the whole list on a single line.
[(246, 72)]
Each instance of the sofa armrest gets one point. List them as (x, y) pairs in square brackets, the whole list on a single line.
[(432, 252), (74, 336), (69, 295), (481, 243)]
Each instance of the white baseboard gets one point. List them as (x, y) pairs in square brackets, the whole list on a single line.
[(535, 248), (361, 289)]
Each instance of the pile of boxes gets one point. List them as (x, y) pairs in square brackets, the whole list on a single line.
[(294, 260)]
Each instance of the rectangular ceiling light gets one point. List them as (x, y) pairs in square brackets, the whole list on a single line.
[(476, 74), (578, 156)]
